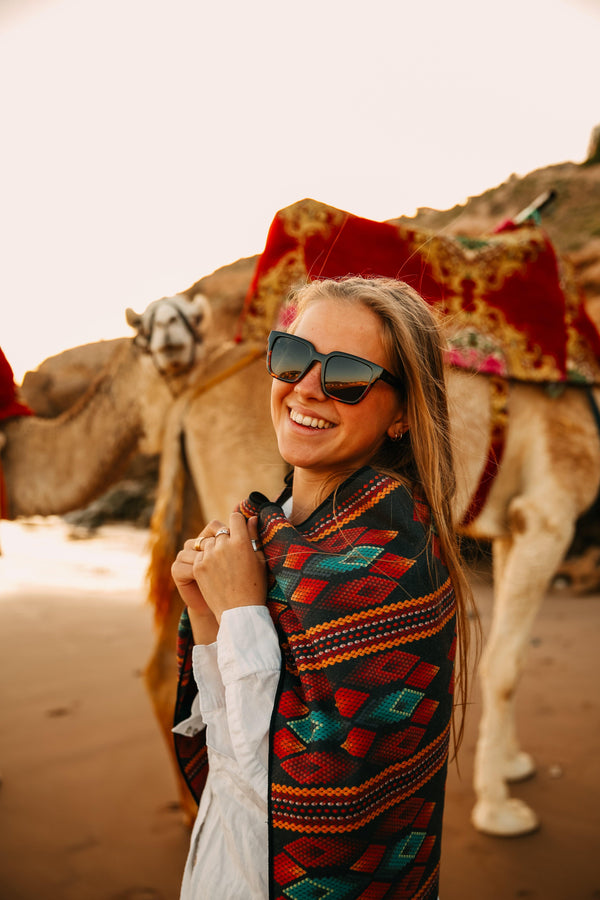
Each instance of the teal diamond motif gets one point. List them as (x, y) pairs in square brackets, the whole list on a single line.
[(396, 706), (317, 726), (405, 851), (357, 558), (320, 889), (277, 593)]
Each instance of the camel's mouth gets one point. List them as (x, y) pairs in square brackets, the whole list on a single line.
[(309, 421)]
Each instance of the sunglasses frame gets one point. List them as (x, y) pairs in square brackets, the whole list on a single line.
[(378, 372)]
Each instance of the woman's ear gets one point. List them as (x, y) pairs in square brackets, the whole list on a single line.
[(397, 427)]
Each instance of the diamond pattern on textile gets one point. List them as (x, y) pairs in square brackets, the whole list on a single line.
[(426, 848), (398, 818), (398, 746), (376, 890), (285, 743), (396, 706), (317, 726), (320, 889), (349, 702), (318, 850), (356, 558), (392, 565), (319, 767), (316, 687), (308, 590), (404, 851), (370, 859), (286, 870), (292, 706), (385, 667), (358, 742), (424, 711), (422, 820), (423, 675), (361, 593), (297, 555)]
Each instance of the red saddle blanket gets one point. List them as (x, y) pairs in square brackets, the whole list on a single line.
[(510, 308), (10, 406)]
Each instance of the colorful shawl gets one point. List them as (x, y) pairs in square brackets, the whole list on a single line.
[(364, 609)]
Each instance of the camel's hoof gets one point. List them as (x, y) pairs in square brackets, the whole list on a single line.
[(509, 818), (519, 768)]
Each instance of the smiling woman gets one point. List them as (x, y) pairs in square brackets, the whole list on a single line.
[(317, 647)]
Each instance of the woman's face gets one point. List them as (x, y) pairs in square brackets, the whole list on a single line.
[(317, 433)]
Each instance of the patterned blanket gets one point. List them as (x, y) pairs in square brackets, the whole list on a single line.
[(510, 307), (10, 406), (359, 738)]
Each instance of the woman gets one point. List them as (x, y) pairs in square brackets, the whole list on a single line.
[(317, 648)]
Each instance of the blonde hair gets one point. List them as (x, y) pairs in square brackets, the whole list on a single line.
[(423, 457)]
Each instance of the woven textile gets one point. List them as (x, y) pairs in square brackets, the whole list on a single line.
[(359, 738), (508, 305), (10, 407)]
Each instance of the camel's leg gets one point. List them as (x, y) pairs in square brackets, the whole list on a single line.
[(161, 683), (516, 764), (524, 567)]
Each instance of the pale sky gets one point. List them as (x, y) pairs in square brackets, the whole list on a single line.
[(147, 142)]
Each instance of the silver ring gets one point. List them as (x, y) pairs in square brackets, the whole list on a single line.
[(221, 531), (256, 545)]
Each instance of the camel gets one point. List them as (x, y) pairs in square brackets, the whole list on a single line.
[(54, 465), (550, 473), (51, 466)]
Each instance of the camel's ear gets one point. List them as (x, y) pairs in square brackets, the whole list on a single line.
[(133, 318), (140, 339)]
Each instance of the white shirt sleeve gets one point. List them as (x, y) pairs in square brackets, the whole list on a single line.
[(237, 680), (249, 660)]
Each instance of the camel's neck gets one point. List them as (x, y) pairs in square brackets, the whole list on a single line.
[(55, 465)]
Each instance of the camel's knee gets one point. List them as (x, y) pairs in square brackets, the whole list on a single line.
[(538, 516), (499, 681)]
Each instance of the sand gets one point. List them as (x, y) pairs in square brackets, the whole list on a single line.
[(88, 803)]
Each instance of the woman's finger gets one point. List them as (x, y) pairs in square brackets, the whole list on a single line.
[(254, 537)]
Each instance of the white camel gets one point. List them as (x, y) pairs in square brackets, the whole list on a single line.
[(550, 473)]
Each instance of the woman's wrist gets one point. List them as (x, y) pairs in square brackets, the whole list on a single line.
[(204, 627)]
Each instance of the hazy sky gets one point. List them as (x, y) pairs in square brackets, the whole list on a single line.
[(147, 142)]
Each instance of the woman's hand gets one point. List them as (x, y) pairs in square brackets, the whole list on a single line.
[(227, 571)]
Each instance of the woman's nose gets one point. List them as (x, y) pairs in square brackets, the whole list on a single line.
[(310, 384)]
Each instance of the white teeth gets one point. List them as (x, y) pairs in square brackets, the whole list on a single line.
[(309, 421)]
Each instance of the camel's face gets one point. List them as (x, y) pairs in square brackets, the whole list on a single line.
[(172, 330)]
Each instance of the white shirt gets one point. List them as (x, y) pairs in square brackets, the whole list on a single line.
[(237, 680)]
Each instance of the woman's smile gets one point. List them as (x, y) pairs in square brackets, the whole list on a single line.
[(307, 420)]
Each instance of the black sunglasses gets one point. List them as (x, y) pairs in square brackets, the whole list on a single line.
[(344, 377)]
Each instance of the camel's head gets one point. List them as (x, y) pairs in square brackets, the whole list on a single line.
[(172, 330)]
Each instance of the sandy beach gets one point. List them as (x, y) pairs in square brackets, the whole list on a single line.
[(88, 804)]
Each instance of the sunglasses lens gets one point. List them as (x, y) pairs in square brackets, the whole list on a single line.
[(347, 380), (289, 359)]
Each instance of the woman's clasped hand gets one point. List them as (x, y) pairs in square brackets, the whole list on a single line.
[(220, 569)]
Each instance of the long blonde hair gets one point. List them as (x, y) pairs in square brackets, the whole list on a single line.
[(423, 457)]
